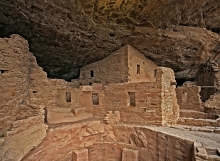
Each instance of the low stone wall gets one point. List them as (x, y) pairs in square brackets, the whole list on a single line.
[(199, 122), (198, 115), (189, 98), (104, 143)]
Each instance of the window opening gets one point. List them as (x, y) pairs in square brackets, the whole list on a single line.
[(155, 73), (3, 71), (138, 69), (91, 73), (95, 99), (185, 97), (132, 99), (68, 97)]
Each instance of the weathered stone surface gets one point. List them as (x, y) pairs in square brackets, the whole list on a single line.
[(70, 34), (27, 138), (129, 155), (17, 146), (201, 152)]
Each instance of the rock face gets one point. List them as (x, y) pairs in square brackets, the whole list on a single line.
[(70, 34), (114, 132)]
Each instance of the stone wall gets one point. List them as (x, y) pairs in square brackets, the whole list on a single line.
[(169, 107), (112, 69), (43, 91), (139, 103), (104, 143), (146, 108), (206, 79), (189, 98), (18, 117), (14, 80), (141, 69)]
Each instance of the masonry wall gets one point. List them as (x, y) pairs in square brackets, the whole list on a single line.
[(112, 69), (139, 103), (14, 80), (141, 69), (161, 146), (189, 98), (43, 91), (18, 118), (169, 107), (147, 108), (206, 78), (74, 94)]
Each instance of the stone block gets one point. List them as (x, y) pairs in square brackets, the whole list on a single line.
[(197, 122), (209, 122), (218, 151), (129, 154), (201, 152), (188, 121), (80, 155), (214, 158), (205, 129), (195, 128), (217, 130)]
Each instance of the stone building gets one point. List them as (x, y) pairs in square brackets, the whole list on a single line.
[(128, 82), (50, 119), (124, 65)]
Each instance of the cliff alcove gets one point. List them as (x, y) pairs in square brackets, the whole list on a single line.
[(104, 80), (67, 35)]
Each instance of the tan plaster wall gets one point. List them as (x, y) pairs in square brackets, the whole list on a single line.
[(147, 67), (112, 69), (75, 95)]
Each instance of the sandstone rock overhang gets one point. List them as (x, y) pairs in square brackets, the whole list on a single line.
[(67, 35)]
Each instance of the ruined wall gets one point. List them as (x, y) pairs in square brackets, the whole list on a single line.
[(14, 80), (43, 91), (141, 69), (206, 79), (61, 141), (211, 96), (18, 118), (103, 142), (112, 69), (140, 103), (188, 97), (167, 83), (142, 107), (161, 146)]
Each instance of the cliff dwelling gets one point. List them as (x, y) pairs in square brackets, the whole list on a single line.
[(109, 80)]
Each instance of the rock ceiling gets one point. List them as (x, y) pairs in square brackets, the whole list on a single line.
[(66, 35)]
